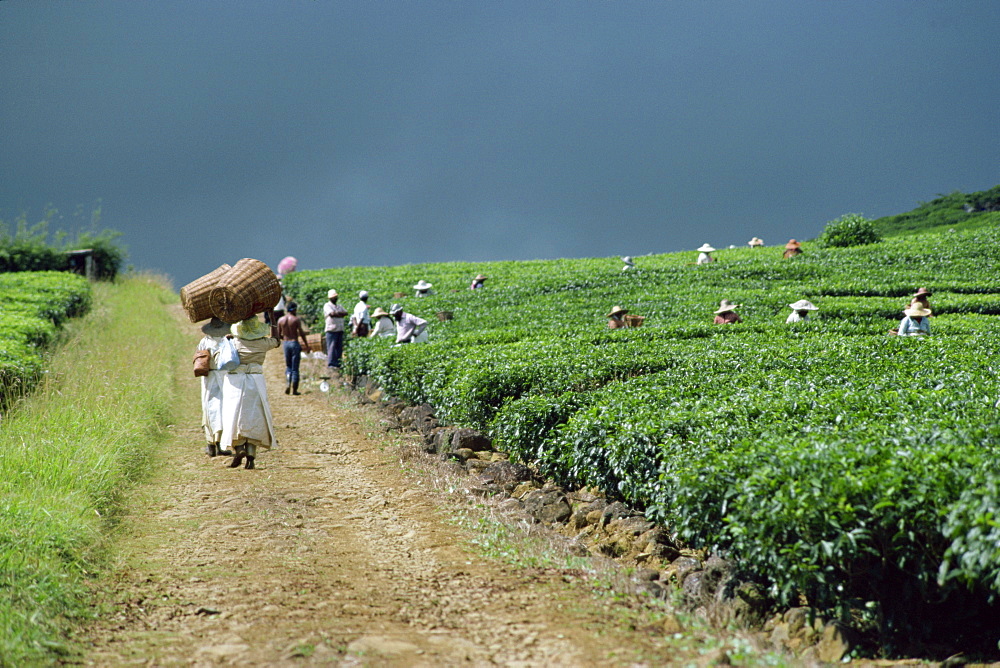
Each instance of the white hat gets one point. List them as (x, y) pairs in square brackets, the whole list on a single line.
[(803, 305), (627, 259), (422, 285), (756, 241), (705, 248), (363, 294), (331, 294), (395, 308), (917, 311), (725, 306)]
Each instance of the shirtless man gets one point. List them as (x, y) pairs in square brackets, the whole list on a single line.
[(290, 329)]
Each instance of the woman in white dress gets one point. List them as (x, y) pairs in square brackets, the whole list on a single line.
[(246, 414), (211, 387)]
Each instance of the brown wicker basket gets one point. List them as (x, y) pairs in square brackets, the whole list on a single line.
[(634, 320), (250, 287), (445, 315), (195, 295)]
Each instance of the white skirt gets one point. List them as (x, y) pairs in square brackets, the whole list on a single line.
[(211, 405), (246, 413)]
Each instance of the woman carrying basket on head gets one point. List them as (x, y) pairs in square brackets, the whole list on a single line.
[(246, 413)]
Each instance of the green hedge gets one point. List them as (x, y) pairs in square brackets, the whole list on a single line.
[(832, 460)]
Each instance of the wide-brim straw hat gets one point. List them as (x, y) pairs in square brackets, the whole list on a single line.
[(922, 292), (250, 329), (705, 248), (479, 277), (803, 305), (615, 311), (215, 327), (917, 311), (422, 285), (792, 243), (330, 294), (379, 313), (756, 241), (725, 306)]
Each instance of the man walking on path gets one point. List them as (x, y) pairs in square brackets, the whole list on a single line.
[(334, 315), (290, 330)]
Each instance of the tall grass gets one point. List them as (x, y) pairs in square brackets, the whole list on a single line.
[(70, 453)]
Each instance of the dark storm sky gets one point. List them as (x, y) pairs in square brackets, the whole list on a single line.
[(370, 133)]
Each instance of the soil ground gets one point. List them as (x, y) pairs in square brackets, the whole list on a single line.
[(337, 550)]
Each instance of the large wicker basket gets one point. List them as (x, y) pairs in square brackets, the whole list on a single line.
[(195, 295), (250, 287)]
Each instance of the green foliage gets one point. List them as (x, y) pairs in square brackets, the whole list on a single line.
[(956, 210), (29, 247), (70, 454), (831, 460), (851, 229), (32, 306)]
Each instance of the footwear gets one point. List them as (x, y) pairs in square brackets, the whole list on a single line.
[(238, 457), (211, 449), (288, 389), (225, 453), (295, 389), (249, 464)]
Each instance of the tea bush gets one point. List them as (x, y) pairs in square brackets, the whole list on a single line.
[(32, 307), (831, 460)]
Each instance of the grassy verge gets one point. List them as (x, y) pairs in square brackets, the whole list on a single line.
[(71, 452)]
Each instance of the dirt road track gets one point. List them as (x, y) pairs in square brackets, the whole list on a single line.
[(331, 553)]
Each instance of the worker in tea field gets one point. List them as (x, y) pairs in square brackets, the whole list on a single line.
[(705, 254), (384, 325), (792, 248), (915, 322), (726, 314), (211, 387), (616, 318), (334, 314), (423, 288), (290, 330), (246, 414), (478, 282), (409, 328), (629, 264), (756, 242), (800, 311), (921, 297), (361, 321)]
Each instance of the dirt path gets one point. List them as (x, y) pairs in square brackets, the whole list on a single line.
[(331, 553)]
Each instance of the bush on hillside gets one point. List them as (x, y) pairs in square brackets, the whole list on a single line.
[(29, 248), (851, 229)]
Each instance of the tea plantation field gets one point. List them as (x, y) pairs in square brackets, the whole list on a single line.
[(32, 307), (831, 460)]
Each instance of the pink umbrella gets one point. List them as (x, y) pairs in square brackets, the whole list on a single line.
[(287, 265)]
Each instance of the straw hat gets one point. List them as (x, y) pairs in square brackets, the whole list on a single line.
[(922, 292), (725, 306), (215, 327), (379, 313), (331, 294), (917, 311), (479, 277), (615, 311), (803, 305), (792, 243), (705, 248), (756, 241), (627, 259), (250, 329), (422, 285)]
